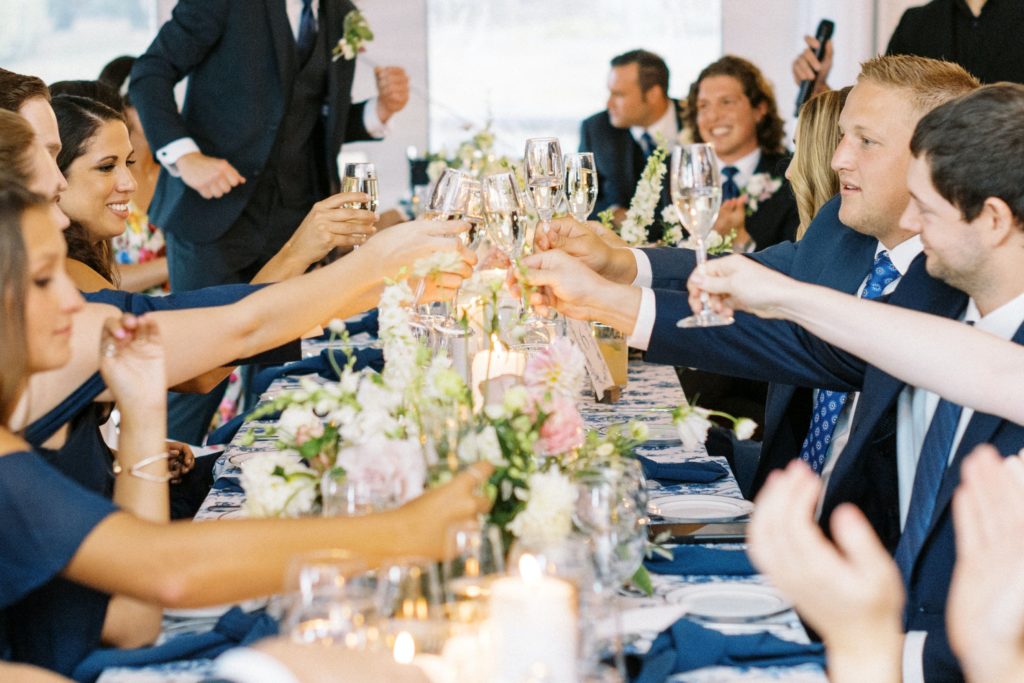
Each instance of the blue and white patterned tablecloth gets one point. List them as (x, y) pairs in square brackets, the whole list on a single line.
[(651, 389)]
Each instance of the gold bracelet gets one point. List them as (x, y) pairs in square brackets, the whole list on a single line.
[(136, 469)]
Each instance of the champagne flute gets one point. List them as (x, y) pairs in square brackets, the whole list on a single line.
[(504, 213), (476, 556), (332, 599), (360, 177), (580, 184), (463, 201), (545, 176), (697, 196)]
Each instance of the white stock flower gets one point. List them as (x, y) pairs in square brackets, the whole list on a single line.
[(693, 425), (547, 517), (744, 428), (290, 493)]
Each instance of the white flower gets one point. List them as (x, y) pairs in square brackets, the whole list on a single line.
[(438, 262), (638, 431), (278, 485), (548, 514), (645, 200), (481, 446), (693, 425), (744, 428), (605, 450), (298, 424), (558, 369), (516, 399), (393, 470), (435, 168), (344, 49), (336, 326)]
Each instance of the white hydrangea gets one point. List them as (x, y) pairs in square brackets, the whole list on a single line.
[(547, 517), (278, 484)]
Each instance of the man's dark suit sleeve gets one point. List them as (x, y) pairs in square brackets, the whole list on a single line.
[(182, 43), (355, 126), (752, 348)]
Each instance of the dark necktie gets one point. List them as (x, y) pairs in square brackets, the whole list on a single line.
[(829, 404), (648, 145), (730, 190), (931, 466), (307, 32)]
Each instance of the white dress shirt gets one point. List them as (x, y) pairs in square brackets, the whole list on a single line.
[(745, 165), (169, 154), (665, 130), (914, 415)]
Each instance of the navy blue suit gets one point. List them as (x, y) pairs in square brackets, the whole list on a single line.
[(619, 159), (865, 474), (830, 254)]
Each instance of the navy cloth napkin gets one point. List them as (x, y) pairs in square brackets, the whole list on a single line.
[(321, 365), (234, 629), (700, 561), (688, 472), (686, 646), (369, 323)]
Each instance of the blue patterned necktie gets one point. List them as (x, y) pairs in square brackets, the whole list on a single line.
[(307, 32), (730, 190), (829, 404), (931, 467), (647, 143)]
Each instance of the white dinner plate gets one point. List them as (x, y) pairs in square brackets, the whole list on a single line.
[(729, 601), (692, 507)]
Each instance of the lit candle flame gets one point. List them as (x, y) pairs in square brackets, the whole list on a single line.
[(405, 648), (529, 568)]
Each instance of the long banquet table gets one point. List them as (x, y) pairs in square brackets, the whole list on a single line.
[(651, 389)]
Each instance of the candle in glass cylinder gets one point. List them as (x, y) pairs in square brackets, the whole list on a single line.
[(534, 626), (496, 362)]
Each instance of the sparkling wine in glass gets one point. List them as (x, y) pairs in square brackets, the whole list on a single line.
[(504, 213), (697, 197), (580, 184), (464, 201), (545, 176), (361, 178)]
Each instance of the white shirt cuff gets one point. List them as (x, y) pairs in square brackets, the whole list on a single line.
[(169, 154), (374, 126), (641, 336), (644, 273), (245, 665), (913, 657)]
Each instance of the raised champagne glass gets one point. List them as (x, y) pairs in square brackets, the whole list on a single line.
[(580, 184), (360, 177), (697, 197), (545, 176)]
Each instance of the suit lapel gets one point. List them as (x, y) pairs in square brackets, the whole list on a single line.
[(979, 430), (284, 41), (916, 291)]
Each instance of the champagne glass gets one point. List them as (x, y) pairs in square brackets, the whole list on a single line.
[(476, 555), (545, 176), (580, 184), (697, 196), (504, 213), (360, 177), (463, 201), (442, 196), (332, 599)]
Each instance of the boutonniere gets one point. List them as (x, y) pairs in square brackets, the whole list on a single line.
[(760, 188), (355, 33)]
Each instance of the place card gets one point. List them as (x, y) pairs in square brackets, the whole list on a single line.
[(597, 368)]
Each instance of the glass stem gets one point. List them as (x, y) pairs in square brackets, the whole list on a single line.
[(702, 260)]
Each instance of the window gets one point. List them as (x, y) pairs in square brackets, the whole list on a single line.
[(72, 39), (539, 67)]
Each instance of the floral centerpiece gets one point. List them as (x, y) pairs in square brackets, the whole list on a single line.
[(475, 155)]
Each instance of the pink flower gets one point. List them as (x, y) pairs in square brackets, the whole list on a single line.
[(562, 431), (557, 369)]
